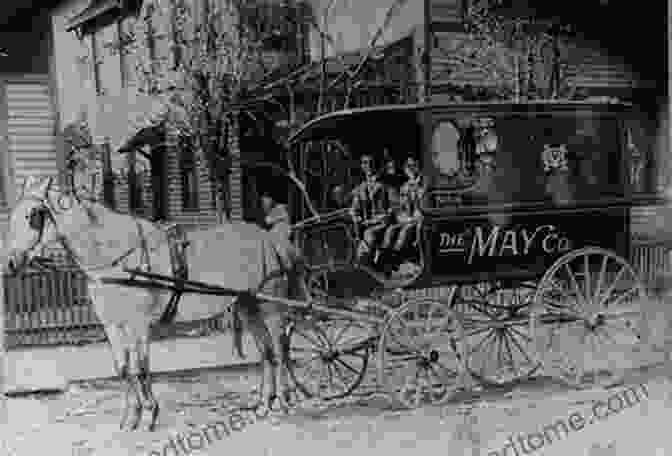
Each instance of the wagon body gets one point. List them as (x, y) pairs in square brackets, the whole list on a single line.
[(534, 210), (526, 223)]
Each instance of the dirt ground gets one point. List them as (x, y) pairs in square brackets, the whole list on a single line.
[(84, 421)]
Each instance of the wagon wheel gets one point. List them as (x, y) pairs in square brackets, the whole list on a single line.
[(586, 315), (420, 353), (498, 335), (327, 358)]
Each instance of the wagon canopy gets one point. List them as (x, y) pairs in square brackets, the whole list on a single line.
[(386, 123), (350, 124)]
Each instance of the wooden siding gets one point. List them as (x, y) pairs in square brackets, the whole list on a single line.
[(446, 10), (589, 67), (30, 130)]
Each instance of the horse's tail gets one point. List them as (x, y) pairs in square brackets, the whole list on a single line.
[(249, 304)]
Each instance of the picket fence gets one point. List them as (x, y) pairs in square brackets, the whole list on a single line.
[(52, 307)]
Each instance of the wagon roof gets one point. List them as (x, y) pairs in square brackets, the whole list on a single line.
[(364, 120)]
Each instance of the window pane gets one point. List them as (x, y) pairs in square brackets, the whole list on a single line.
[(445, 148), (525, 158)]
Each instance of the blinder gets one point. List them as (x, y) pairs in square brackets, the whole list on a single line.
[(37, 218)]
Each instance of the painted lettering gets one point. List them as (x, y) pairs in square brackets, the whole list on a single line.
[(481, 245), (529, 239), (548, 248), (515, 242), (509, 242), (451, 240)]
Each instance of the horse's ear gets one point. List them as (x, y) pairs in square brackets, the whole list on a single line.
[(43, 187), (28, 183)]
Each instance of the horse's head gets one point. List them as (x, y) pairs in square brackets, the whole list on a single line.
[(31, 223)]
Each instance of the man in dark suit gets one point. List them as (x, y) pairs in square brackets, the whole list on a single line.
[(370, 209)]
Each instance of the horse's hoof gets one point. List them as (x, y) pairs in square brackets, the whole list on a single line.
[(136, 419), (155, 417)]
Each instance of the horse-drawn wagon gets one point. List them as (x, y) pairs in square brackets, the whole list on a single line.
[(524, 231), (503, 250)]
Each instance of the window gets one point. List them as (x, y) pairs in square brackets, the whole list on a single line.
[(189, 172), (524, 158)]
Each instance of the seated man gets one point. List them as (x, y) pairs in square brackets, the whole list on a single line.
[(412, 199), (370, 209)]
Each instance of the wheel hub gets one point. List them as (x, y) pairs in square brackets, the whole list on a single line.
[(432, 357), (329, 357), (595, 322)]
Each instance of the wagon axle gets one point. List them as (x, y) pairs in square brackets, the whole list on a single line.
[(426, 361)]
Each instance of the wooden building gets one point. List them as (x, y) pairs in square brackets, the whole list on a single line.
[(28, 115)]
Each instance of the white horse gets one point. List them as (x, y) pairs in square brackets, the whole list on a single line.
[(103, 243)]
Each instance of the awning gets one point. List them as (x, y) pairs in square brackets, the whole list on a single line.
[(91, 12)]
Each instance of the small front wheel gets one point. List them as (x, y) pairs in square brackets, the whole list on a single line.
[(327, 358), (421, 353)]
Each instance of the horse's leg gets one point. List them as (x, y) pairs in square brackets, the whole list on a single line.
[(275, 324), (121, 356), (145, 378), (134, 375), (262, 339)]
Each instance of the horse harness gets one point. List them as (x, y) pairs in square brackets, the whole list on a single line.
[(177, 244)]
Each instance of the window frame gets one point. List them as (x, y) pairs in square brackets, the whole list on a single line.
[(189, 177)]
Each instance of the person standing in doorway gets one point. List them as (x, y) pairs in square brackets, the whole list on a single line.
[(276, 216)]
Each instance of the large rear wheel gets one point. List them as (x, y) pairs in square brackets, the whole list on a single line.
[(587, 316)]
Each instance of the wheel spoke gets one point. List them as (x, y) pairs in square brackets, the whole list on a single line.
[(575, 284), (343, 379), (477, 331), (303, 362), (480, 344), (347, 366), (600, 279), (527, 337), (316, 342), (520, 347), (612, 286), (586, 277), (623, 296), (340, 334)]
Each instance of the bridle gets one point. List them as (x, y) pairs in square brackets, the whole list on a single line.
[(38, 217), (44, 213)]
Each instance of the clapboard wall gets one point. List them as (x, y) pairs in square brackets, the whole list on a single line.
[(28, 129)]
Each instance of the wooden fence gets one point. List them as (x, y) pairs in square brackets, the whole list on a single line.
[(52, 307)]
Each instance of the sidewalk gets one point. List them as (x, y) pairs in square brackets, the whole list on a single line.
[(51, 368)]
